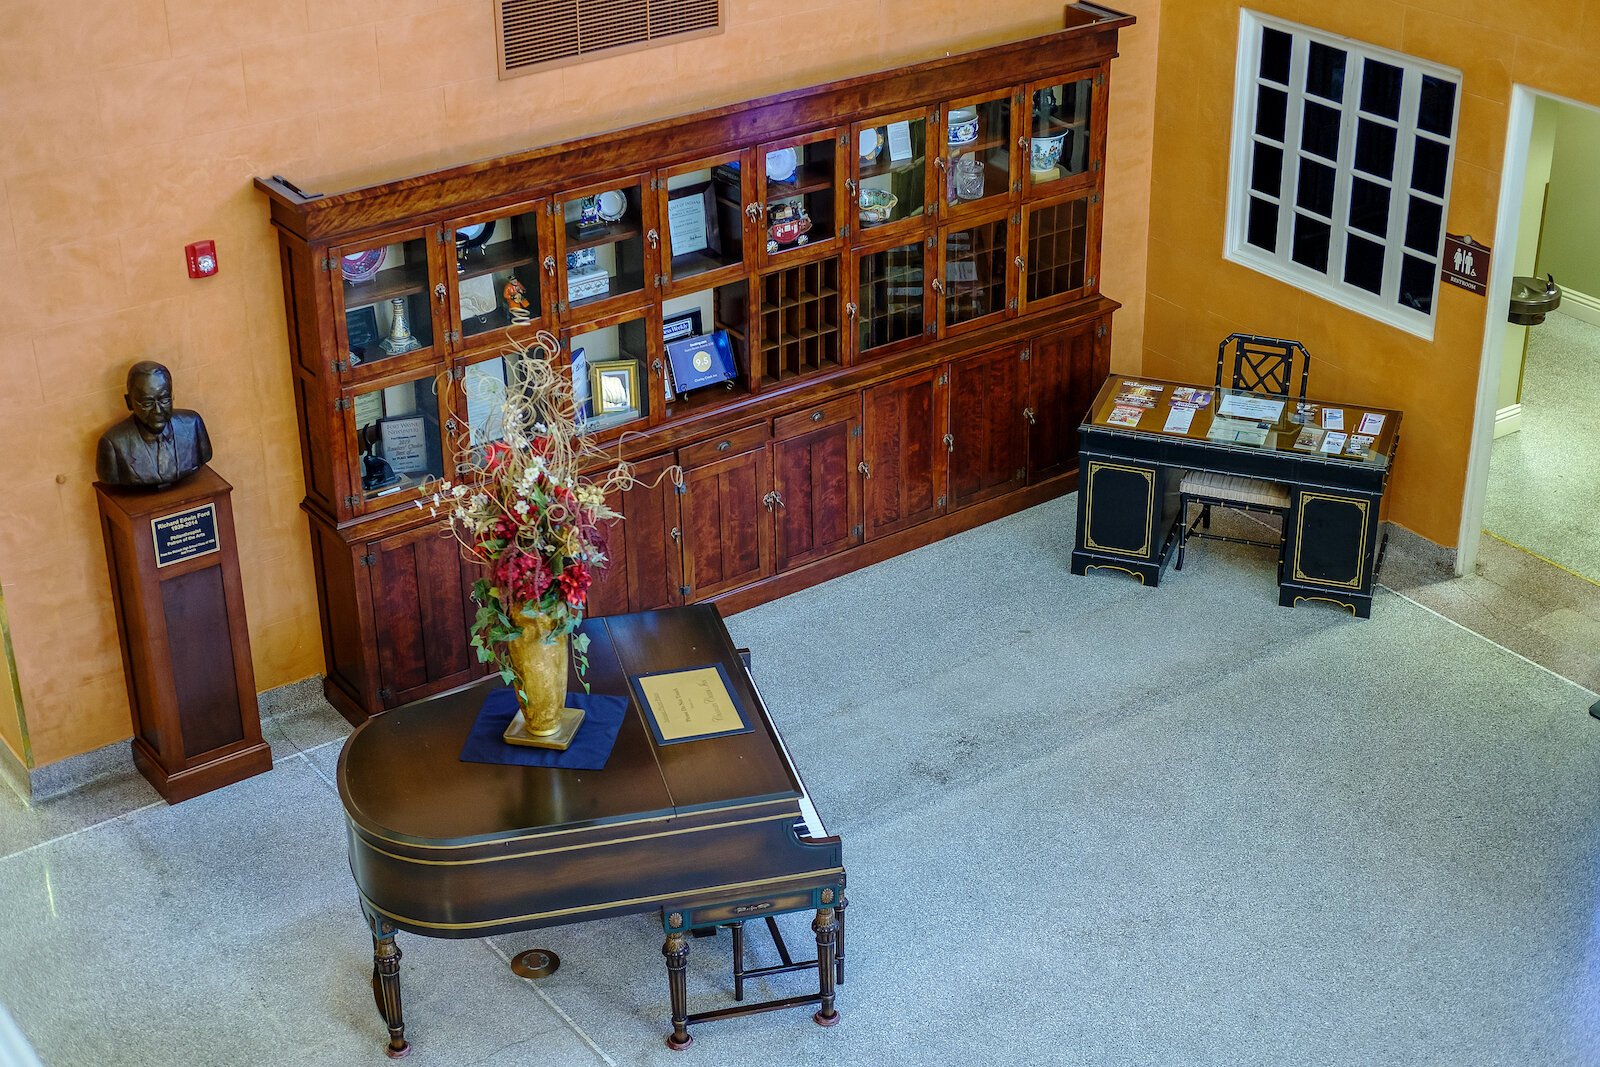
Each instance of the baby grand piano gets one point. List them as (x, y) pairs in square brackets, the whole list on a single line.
[(708, 833)]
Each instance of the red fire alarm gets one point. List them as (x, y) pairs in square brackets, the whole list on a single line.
[(202, 256)]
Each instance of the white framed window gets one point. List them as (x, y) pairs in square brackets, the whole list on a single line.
[(1340, 172)]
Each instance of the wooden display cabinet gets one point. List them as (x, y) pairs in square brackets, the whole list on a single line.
[(898, 378)]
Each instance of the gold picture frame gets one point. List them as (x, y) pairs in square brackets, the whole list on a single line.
[(614, 386)]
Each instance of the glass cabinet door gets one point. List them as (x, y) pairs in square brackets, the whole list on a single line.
[(889, 183), (977, 160), (499, 280), (1056, 260), (387, 301), (607, 249), (611, 373), (976, 274), (1060, 130), (396, 438), (891, 296), (800, 201), (702, 211)]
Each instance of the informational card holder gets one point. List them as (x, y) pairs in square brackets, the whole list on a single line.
[(700, 361), (688, 705)]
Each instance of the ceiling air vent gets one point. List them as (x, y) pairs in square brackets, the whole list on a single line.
[(541, 33)]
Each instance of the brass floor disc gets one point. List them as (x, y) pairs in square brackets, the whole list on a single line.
[(535, 963)]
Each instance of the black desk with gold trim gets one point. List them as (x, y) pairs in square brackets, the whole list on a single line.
[(1128, 489)]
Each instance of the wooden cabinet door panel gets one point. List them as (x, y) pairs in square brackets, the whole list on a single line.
[(420, 614), (726, 536), (818, 506), (1063, 377), (902, 431), (989, 447), (608, 585), (651, 557)]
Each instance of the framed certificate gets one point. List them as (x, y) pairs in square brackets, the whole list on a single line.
[(689, 705), (692, 219), (405, 443)]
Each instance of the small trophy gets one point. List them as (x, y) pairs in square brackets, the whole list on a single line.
[(399, 339)]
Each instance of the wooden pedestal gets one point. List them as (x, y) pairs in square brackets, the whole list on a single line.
[(181, 623)]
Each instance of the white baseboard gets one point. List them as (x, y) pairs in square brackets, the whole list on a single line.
[(1507, 420), (1580, 306)]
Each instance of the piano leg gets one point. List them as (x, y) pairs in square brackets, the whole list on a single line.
[(676, 951), (826, 925), (386, 986), (838, 954)]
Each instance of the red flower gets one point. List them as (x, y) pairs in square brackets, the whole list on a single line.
[(574, 582), (496, 455), (521, 576)]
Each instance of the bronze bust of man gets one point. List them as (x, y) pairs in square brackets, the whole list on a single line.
[(156, 445)]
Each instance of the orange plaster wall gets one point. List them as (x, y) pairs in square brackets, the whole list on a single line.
[(1196, 297), (133, 127)]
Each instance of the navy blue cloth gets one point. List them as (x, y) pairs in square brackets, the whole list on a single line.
[(589, 751)]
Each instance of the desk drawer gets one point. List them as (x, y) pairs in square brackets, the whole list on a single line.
[(729, 444)]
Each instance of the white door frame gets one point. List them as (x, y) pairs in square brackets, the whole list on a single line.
[(1513, 181)]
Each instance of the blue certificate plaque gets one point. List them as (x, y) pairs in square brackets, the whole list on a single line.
[(700, 361)]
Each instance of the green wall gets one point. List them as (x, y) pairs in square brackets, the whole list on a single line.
[(1571, 246)]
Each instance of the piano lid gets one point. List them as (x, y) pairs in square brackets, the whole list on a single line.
[(401, 777)]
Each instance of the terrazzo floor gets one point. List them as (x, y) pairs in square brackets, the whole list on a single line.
[(1086, 822), (1544, 479)]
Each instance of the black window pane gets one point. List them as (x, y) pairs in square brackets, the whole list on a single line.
[(1316, 187), (1423, 220), (1319, 130), (1272, 110), (1275, 55), (1375, 148), (1369, 207), (1263, 226), (1416, 284), (1428, 165), (1311, 243), (1380, 89), (1437, 106), (1363, 264), (1325, 72), (1266, 170)]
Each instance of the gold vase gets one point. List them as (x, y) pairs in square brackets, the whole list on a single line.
[(540, 664)]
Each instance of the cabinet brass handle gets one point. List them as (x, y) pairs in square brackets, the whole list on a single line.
[(938, 285), (1027, 413), (850, 186), (753, 212), (850, 311), (440, 292), (773, 499), (1022, 141), (450, 424), (866, 471), (654, 238), (550, 265), (676, 535), (940, 162), (949, 442), (1020, 265), (723, 446), (816, 416)]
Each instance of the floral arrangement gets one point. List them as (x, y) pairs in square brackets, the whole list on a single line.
[(528, 511)]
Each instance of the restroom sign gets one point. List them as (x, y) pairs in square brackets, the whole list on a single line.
[(1465, 263)]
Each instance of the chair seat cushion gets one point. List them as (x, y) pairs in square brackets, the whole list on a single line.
[(1233, 487)]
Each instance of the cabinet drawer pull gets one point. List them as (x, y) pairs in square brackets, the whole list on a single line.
[(723, 446), (816, 416)]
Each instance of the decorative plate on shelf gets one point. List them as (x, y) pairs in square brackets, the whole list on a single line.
[(611, 205), (869, 144), (475, 236), (782, 164), (359, 266)]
